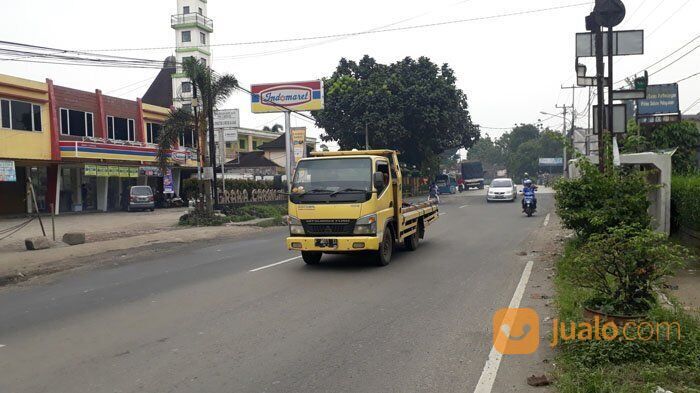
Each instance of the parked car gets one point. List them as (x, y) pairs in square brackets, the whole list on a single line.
[(141, 198), (502, 189)]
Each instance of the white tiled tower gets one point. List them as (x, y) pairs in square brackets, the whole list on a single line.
[(192, 36)]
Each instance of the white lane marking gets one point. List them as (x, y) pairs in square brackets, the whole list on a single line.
[(1, 346), (463, 206), (488, 375), (546, 220), (442, 214), (274, 264)]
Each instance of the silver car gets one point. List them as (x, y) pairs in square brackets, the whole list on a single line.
[(502, 189), (141, 198)]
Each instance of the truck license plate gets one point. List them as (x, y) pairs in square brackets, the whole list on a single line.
[(330, 243)]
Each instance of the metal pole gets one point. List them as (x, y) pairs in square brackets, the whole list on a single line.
[(53, 223), (366, 137), (563, 130), (588, 128), (222, 144), (601, 102), (610, 87), (288, 148), (36, 207)]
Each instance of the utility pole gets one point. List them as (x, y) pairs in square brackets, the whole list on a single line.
[(366, 137), (564, 108), (212, 144), (573, 121), (599, 68)]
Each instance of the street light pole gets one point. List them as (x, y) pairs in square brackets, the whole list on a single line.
[(563, 130)]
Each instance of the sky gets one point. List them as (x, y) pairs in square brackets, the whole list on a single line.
[(511, 68)]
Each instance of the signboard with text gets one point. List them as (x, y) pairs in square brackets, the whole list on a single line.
[(228, 121), (7, 171), (298, 143), (660, 99), (281, 97)]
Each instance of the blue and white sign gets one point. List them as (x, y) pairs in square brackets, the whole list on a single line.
[(660, 99), (7, 171), (551, 161)]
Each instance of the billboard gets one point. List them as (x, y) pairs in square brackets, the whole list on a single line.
[(298, 143), (625, 42), (660, 99), (281, 97), (551, 161)]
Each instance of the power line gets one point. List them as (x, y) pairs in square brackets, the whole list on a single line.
[(675, 61), (667, 19), (661, 59), (691, 105), (688, 77), (358, 33)]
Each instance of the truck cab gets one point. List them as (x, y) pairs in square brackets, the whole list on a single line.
[(350, 202)]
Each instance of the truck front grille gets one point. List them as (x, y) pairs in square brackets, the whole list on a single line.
[(329, 227)]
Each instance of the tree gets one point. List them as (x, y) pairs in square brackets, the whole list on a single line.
[(683, 135), (274, 128), (487, 151), (412, 106), (212, 90)]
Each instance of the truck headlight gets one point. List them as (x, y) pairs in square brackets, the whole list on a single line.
[(295, 227), (366, 225)]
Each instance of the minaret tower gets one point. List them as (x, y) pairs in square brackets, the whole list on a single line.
[(192, 37)]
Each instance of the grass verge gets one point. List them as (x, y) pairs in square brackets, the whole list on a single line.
[(622, 365)]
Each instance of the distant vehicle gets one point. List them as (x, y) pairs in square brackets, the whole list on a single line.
[(446, 184), (502, 189), (473, 174), (141, 198)]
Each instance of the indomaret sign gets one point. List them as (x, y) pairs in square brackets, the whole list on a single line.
[(282, 97)]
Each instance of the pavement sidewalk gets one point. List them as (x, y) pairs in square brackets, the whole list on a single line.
[(105, 233), (685, 286)]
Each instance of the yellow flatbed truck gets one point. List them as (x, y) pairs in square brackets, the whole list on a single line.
[(351, 202)]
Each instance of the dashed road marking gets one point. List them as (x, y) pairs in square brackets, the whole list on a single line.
[(441, 214), (463, 206), (488, 375), (546, 220), (274, 264), (2, 346)]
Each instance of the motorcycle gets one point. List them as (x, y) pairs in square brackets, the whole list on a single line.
[(529, 205)]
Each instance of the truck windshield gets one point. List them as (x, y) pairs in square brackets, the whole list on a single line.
[(333, 179)]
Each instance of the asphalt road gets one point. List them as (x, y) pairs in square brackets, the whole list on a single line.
[(210, 320)]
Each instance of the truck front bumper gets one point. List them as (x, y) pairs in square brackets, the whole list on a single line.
[(342, 244)]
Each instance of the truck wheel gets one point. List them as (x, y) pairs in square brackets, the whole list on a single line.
[(386, 248), (411, 242), (311, 257)]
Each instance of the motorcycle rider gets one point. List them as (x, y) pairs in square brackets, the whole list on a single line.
[(529, 191), (434, 193)]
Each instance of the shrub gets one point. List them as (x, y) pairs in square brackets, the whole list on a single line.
[(621, 267), (685, 201), (595, 202), (250, 212)]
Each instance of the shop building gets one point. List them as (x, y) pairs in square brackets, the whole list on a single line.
[(26, 144), (81, 150), (108, 144)]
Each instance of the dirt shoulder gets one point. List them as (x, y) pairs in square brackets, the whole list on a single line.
[(19, 266), (543, 249)]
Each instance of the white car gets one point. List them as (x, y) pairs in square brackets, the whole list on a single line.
[(502, 189)]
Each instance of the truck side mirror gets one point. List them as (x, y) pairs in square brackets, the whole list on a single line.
[(378, 180)]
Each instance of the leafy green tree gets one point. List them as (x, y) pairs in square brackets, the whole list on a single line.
[(683, 135), (412, 106), (487, 151)]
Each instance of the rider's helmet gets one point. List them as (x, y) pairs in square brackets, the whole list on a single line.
[(527, 183), (526, 175)]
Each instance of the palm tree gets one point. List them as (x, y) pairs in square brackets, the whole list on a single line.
[(212, 89)]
